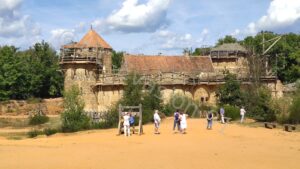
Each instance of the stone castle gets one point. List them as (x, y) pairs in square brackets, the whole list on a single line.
[(88, 64)]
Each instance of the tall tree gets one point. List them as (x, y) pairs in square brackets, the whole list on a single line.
[(227, 39), (117, 60)]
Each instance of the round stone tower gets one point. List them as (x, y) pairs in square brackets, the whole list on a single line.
[(83, 62)]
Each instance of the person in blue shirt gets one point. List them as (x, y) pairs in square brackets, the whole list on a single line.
[(209, 117), (131, 122), (176, 121)]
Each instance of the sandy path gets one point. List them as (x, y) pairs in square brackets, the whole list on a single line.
[(232, 147)]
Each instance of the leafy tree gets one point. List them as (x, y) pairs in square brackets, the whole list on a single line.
[(204, 51), (151, 101), (230, 92), (258, 103), (30, 73), (133, 90), (226, 39), (295, 106), (73, 117), (284, 57), (117, 59), (152, 98), (10, 72)]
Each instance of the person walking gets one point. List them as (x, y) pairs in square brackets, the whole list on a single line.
[(183, 122), (222, 113), (126, 124), (242, 113), (209, 117), (131, 122), (156, 122), (176, 121)]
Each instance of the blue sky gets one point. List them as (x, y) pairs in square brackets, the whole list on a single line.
[(144, 26)]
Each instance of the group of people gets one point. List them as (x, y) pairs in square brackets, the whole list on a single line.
[(128, 122), (180, 120)]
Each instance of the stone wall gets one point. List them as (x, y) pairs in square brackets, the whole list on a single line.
[(23, 107), (83, 75), (107, 61)]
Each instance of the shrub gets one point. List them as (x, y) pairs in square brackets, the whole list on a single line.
[(168, 110), (258, 104), (281, 109), (147, 116), (230, 92), (73, 117), (183, 103), (34, 133), (37, 119), (232, 112), (295, 108), (109, 119), (49, 131)]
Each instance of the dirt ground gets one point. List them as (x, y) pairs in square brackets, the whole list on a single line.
[(226, 146)]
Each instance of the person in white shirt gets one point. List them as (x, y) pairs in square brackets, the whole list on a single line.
[(242, 112), (183, 122), (126, 124), (156, 122)]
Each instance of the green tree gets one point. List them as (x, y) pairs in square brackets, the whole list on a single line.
[(73, 117), (295, 106), (30, 73), (117, 60), (230, 92), (257, 101), (284, 57), (227, 39), (152, 98), (133, 90), (10, 73), (43, 64)]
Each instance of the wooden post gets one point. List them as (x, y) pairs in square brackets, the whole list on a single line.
[(119, 125), (140, 120)]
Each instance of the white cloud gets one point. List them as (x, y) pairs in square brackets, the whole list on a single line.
[(61, 37), (280, 14), (173, 41), (136, 17), (13, 24)]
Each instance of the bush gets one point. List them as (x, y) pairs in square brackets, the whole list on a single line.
[(281, 109), (38, 119), (168, 110), (295, 109), (73, 117), (230, 92), (34, 133), (49, 131), (232, 112), (258, 104), (183, 103), (109, 120)]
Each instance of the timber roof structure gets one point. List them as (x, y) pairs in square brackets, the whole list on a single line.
[(230, 47), (162, 64), (90, 40)]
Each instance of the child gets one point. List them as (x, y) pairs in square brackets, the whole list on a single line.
[(209, 120), (156, 122), (183, 122), (126, 124)]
